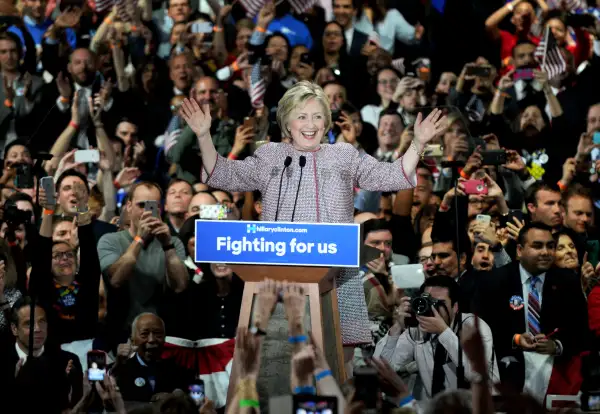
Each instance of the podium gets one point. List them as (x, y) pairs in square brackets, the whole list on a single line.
[(309, 254)]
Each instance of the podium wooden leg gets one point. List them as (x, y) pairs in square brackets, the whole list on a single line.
[(316, 321)]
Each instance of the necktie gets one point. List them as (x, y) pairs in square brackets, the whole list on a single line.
[(439, 359), (533, 307)]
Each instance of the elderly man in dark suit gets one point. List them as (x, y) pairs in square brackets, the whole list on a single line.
[(139, 369), (537, 312), (50, 381)]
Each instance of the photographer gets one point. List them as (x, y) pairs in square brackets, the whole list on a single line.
[(432, 335)]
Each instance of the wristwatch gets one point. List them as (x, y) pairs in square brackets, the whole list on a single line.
[(168, 247), (477, 378)]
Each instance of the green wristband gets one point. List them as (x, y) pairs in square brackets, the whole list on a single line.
[(249, 403)]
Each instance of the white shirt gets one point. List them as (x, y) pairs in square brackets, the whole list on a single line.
[(400, 351), (22, 355), (526, 282), (393, 27), (349, 34)]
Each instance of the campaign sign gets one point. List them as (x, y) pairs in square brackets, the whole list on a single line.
[(278, 243)]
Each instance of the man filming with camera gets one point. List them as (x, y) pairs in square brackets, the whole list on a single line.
[(427, 329)]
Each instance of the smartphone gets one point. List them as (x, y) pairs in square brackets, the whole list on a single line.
[(509, 218), (214, 212), (484, 218), (151, 205), (476, 187), (254, 53), (303, 404), (481, 71), (47, 183), (408, 276), (86, 156), (96, 362), (525, 74), (24, 176), (580, 20), (494, 157), (305, 58), (596, 138), (250, 122), (197, 391), (590, 402), (433, 151), (366, 385), (202, 27)]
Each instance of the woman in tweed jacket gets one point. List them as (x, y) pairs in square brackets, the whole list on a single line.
[(331, 174)]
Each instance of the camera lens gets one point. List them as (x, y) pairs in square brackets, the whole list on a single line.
[(420, 305)]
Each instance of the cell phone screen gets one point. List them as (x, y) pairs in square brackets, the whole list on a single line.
[(303, 404), (197, 391), (367, 386), (96, 361)]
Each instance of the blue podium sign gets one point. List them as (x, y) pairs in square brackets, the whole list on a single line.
[(278, 243)]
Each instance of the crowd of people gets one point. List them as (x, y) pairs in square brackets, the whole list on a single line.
[(120, 121)]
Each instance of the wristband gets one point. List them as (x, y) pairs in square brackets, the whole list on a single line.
[(12, 244), (235, 67), (297, 339), (139, 240), (217, 29), (561, 186), (323, 374), (444, 208), (73, 125), (64, 100), (232, 156), (464, 175), (407, 402), (249, 403), (517, 339), (8, 103), (108, 20), (48, 212), (133, 28), (309, 389), (168, 247), (115, 45), (260, 29), (117, 185)]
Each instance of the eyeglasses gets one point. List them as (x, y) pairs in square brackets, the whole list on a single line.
[(425, 259), (386, 82), (60, 255)]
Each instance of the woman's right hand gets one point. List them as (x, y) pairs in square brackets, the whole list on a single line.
[(347, 127), (75, 109), (198, 119)]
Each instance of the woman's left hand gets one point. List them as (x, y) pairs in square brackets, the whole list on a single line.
[(347, 127), (430, 127)]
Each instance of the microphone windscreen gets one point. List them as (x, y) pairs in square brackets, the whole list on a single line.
[(288, 161), (302, 161)]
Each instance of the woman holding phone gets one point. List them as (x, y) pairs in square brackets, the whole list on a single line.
[(322, 178)]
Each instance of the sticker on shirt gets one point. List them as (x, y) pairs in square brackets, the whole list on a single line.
[(516, 302), (20, 90), (140, 382)]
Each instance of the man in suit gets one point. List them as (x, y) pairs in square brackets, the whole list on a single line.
[(139, 369), (537, 312), (54, 374), (344, 12)]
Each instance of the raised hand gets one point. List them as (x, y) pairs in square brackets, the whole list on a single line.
[(247, 350), (68, 18), (265, 303), (429, 128), (294, 302), (198, 119), (266, 15), (347, 127), (243, 137), (64, 86), (74, 239), (127, 176), (303, 363)]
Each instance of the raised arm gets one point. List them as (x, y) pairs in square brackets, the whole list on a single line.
[(492, 22)]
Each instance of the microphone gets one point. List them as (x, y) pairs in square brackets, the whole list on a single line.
[(302, 163), (286, 163)]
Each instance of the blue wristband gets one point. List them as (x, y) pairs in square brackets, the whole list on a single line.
[(323, 374), (309, 389), (406, 402), (297, 339)]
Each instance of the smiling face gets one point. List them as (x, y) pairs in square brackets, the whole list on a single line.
[(221, 270), (566, 253), (307, 125), (537, 252)]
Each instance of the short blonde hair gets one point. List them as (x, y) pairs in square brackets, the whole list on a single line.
[(297, 96)]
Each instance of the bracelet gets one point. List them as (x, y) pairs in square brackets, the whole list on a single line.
[(235, 67), (414, 147), (168, 247), (217, 29), (64, 100), (139, 240), (517, 339), (562, 187), (8, 103), (464, 175), (308, 389), (260, 29), (297, 339), (73, 125), (48, 212), (407, 402), (232, 156), (323, 374), (249, 403)]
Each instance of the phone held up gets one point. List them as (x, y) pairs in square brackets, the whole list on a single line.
[(475, 187), (96, 362), (366, 385), (152, 206), (314, 404), (197, 391)]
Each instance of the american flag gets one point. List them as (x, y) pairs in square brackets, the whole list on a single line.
[(107, 5), (569, 5), (103, 5), (550, 56), (300, 6), (252, 7), (258, 87), (172, 133)]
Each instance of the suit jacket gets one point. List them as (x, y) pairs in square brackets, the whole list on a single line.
[(358, 40), (46, 387), (564, 307), (133, 379)]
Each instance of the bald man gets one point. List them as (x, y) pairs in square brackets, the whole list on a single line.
[(139, 370)]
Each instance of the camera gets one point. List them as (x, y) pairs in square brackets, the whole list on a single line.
[(24, 176), (422, 306)]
